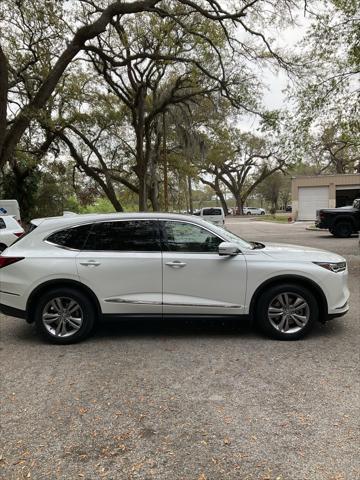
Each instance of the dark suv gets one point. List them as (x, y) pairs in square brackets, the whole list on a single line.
[(342, 222)]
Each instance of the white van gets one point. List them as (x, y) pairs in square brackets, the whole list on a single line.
[(10, 207), (213, 215)]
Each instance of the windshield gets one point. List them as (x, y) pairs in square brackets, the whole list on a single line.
[(231, 237)]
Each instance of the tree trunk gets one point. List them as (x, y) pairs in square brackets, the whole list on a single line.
[(154, 197), (142, 157), (22, 185), (239, 204), (191, 205), (221, 196), (4, 83)]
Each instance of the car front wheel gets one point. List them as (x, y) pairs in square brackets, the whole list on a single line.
[(287, 312), (64, 316), (342, 230)]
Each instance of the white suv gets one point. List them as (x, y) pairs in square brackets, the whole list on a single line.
[(70, 271), (253, 211), (10, 231), (213, 215)]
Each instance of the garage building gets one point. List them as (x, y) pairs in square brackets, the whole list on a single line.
[(310, 193)]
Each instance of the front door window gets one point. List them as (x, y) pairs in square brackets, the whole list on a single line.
[(186, 237)]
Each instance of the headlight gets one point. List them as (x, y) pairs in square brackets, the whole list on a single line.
[(333, 267)]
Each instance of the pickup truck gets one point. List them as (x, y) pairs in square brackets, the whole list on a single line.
[(341, 222)]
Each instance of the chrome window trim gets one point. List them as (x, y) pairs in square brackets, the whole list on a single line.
[(158, 220), (61, 246)]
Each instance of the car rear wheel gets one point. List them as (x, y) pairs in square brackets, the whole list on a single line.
[(64, 316), (248, 213), (342, 230), (287, 312)]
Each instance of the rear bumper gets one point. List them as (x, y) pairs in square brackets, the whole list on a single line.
[(12, 312)]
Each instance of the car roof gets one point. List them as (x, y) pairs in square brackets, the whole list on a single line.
[(71, 220), (9, 217)]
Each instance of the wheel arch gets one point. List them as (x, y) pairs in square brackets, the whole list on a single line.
[(43, 287), (314, 288)]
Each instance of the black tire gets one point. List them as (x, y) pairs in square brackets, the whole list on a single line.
[(86, 315), (270, 296), (262, 213), (342, 230), (248, 213)]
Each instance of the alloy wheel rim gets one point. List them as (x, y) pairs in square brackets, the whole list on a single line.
[(62, 317), (288, 312)]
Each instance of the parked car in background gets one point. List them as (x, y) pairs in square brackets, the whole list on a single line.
[(253, 211), (288, 208), (10, 230), (213, 215), (10, 207), (69, 272), (342, 222)]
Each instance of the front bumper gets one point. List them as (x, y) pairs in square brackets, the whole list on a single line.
[(341, 311)]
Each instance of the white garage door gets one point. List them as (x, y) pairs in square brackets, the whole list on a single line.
[(312, 199)]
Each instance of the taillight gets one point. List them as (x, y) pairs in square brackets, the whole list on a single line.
[(19, 234), (5, 261)]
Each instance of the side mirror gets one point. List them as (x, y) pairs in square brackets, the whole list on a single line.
[(228, 248)]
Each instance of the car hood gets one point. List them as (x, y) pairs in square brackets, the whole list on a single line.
[(298, 252), (338, 210)]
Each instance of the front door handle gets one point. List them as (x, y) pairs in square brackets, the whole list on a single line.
[(90, 263), (176, 264)]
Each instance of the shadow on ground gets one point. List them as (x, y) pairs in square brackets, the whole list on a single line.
[(108, 330)]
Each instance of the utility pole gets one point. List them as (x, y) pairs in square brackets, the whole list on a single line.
[(166, 196)]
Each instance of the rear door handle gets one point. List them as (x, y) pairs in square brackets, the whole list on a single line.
[(176, 264), (90, 263)]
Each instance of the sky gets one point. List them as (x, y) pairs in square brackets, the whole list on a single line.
[(274, 97)]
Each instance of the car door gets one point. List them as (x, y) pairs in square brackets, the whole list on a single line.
[(121, 263), (196, 279)]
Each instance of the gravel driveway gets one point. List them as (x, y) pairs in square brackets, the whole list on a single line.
[(194, 400)]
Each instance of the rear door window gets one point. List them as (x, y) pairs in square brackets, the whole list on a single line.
[(124, 235), (2, 223)]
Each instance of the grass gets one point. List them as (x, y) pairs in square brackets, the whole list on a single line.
[(272, 218)]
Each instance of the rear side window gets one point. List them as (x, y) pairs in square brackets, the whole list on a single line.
[(212, 211), (71, 237), (2, 223), (134, 235)]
